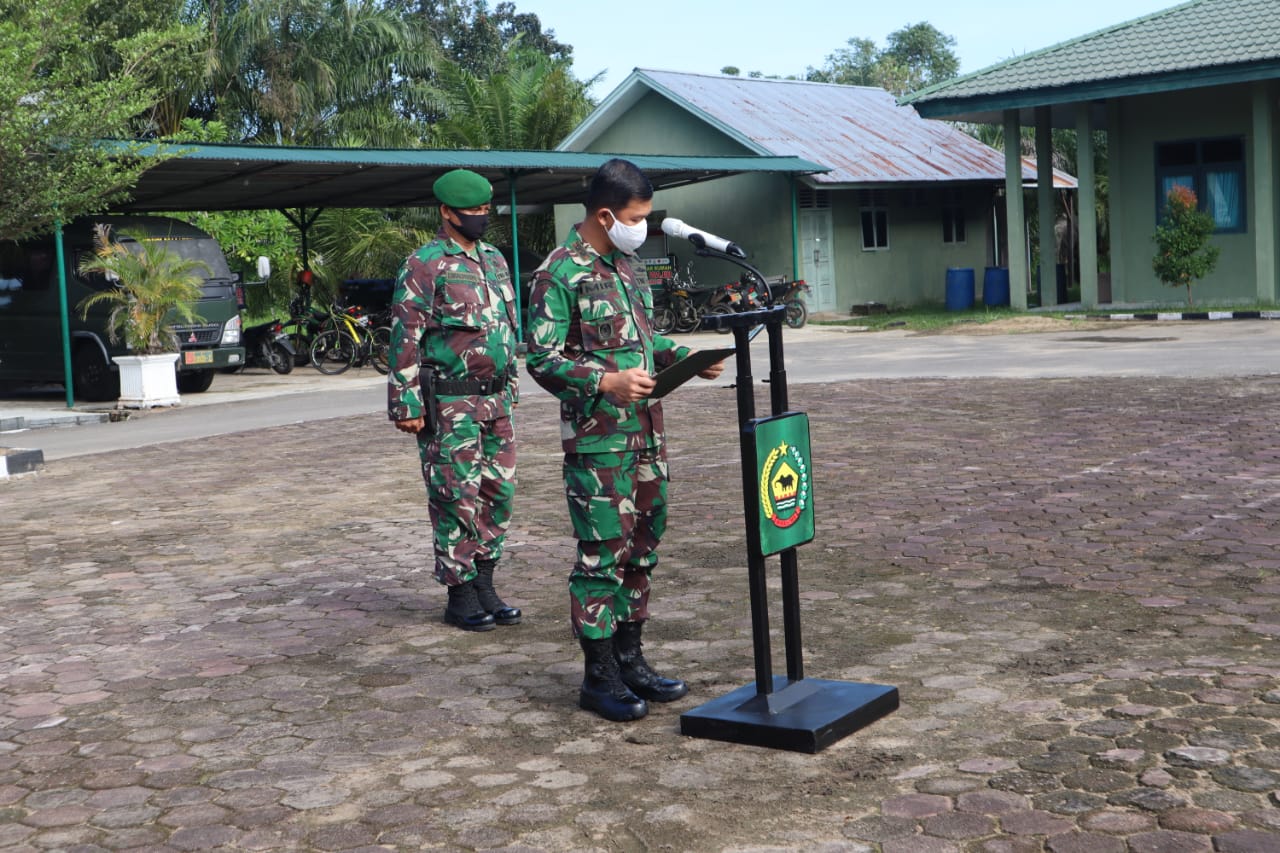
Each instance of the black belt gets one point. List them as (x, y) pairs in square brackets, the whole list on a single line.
[(468, 387)]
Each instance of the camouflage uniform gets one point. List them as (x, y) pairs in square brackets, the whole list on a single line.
[(591, 314), (455, 312)]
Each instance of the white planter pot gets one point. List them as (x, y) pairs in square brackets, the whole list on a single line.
[(147, 381)]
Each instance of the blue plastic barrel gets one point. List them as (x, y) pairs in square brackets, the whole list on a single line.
[(959, 288), (995, 286)]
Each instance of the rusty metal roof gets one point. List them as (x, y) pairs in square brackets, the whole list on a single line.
[(860, 133)]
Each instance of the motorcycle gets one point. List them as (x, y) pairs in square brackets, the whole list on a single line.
[(268, 345), (792, 295), (746, 294)]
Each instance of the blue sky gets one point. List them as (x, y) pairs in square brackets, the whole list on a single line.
[(784, 37)]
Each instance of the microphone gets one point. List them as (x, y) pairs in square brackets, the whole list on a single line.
[(701, 239)]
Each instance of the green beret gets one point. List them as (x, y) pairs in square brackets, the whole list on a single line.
[(462, 188)]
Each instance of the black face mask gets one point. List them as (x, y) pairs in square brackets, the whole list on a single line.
[(472, 225)]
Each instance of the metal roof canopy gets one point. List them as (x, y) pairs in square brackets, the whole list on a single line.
[(307, 180), (259, 177)]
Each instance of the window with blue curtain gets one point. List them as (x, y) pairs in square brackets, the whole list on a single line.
[(1213, 169), (1222, 199)]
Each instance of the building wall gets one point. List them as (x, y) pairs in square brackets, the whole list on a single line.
[(913, 270), (1170, 117), (755, 211)]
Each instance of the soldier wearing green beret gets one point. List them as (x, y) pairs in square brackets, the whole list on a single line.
[(452, 384)]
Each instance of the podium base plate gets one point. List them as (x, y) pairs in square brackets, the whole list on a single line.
[(803, 716)]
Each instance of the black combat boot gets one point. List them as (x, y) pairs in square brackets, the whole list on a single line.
[(465, 611), (602, 688), (635, 670), (501, 612)]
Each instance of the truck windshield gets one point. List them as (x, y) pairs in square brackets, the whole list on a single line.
[(219, 283)]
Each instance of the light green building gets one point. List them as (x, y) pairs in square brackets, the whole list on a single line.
[(1186, 96), (904, 199)]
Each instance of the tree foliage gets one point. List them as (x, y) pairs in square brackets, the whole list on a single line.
[(67, 82), (342, 73), (913, 57), (1183, 252), (478, 38), (317, 72), (532, 105)]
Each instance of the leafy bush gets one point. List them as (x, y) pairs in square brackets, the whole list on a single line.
[(1183, 253)]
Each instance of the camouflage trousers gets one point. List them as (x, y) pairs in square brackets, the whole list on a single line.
[(618, 508), (470, 470)]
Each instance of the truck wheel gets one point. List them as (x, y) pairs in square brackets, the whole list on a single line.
[(195, 381), (93, 378)]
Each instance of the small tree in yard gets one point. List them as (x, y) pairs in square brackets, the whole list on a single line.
[(1183, 253)]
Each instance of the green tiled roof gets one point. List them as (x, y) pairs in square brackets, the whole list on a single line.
[(1194, 38)]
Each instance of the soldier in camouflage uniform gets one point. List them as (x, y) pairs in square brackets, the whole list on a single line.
[(591, 343), (452, 383)]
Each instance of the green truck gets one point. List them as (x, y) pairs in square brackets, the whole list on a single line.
[(30, 315)]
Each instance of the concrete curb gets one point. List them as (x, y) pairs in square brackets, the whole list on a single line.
[(15, 460), (53, 419), (1179, 315)]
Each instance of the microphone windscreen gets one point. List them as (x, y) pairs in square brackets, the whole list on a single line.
[(672, 227)]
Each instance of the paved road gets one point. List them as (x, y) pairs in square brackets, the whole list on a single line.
[(259, 399), (1073, 584)]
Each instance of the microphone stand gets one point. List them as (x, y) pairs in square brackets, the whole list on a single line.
[(791, 713)]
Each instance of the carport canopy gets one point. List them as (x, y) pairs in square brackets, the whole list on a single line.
[(302, 181), (257, 177)]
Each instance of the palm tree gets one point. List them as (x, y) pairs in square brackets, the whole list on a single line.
[(531, 105), (312, 71), (153, 285)]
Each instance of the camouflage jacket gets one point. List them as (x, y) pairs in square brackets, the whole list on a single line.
[(455, 312), (590, 314)]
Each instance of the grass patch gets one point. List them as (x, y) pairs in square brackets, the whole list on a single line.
[(926, 318), (929, 318)]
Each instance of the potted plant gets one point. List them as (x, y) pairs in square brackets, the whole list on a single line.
[(154, 287), (1183, 253)]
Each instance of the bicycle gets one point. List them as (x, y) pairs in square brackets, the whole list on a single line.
[(304, 323), (348, 339)]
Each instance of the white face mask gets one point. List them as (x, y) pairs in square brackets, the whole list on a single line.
[(627, 238)]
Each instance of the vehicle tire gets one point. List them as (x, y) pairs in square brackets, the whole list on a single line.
[(332, 352), (195, 381), (687, 317), (721, 309), (280, 359), (92, 376), (664, 319), (381, 353), (301, 340), (797, 313)]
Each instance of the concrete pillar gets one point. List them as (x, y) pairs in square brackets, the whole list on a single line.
[(1264, 201), (1048, 241), (1115, 191), (1087, 209), (1014, 213)]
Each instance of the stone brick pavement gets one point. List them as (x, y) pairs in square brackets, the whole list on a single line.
[(1074, 584)]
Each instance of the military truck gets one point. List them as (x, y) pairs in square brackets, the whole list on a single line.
[(30, 325)]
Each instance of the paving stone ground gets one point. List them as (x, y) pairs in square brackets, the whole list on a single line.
[(1074, 584)]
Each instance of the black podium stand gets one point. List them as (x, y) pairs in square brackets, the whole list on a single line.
[(795, 713)]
